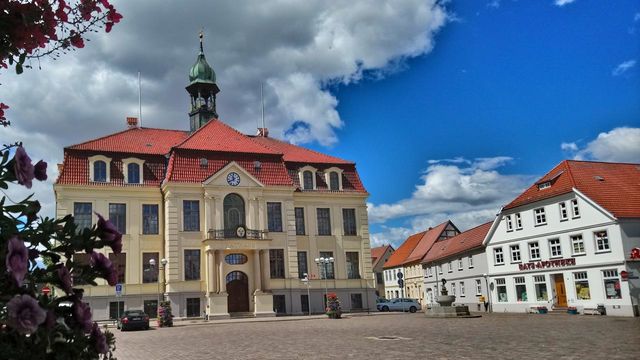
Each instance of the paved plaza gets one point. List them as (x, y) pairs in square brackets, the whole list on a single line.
[(412, 336)]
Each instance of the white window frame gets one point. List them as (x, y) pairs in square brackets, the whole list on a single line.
[(462, 294), (449, 266), (313, 176), (575, 208), (453, 288), (440, 269), (470, 261), (460, 265), (539, 216), (577, 239), (107, 161), (125, 169), (478, 287), (607, 242), (531, 248), (518, 220), (509, 223), (498, 251), (610, 274), (551, 247), (516, 256), (564, 212), (327, 179), (581, 276), (544, 185)]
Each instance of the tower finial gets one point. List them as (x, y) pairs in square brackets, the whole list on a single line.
[(201, 37)]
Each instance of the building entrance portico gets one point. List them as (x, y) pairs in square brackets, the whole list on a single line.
[(238, 292)]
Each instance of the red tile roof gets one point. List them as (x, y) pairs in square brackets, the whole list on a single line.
[(76, 169), (398, 256), (378, 252), (220, 137), (294, 153), (468, 240), (135, 141), (614, 186), (350, 179), (427, 241)]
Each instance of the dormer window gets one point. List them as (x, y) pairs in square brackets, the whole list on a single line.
[(544, 185), (132, 169), (307, 176), (333, 178), (99, 168)]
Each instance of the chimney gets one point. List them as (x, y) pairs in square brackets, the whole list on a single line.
[(132, 122), (60, 167), (263, 132)]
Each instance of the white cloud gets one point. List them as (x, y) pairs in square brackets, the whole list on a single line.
[(623, 67), (296, 48), (618, 145), (469, 192), (563, 2), (569, 146)]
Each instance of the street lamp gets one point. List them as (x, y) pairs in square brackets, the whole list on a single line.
[(152, 265), (306, 281), (164, 263), (325, 264), (486, 281)]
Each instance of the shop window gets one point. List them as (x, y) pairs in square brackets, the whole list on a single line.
[(356, 301), (150, 307), (515, 254), (564, 213), (279, 304), (582, 286), (534, 251), (575, 210), (540, 217), (498, 256), (501, 290), (611, 284), (602, 241), (521, 289), (541, 288), (518, 221), (577, 244), (555, 249), (193, 307)]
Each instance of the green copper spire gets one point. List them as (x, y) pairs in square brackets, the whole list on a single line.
[(202, 91), (201, 71)]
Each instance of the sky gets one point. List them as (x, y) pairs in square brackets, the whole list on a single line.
[(449, 108)]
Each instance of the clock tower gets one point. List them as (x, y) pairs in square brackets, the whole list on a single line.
[(202, 90)]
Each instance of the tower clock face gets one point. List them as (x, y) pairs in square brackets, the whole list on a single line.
[(233, 179)]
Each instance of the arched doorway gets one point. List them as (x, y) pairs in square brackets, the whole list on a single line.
[(233, 214), (238, 290)]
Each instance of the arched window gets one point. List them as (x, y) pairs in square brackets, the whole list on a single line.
[(233, 214), (334, 181), (307, 178), (100, 171), (236, 259), (236, 275), (133, 173)]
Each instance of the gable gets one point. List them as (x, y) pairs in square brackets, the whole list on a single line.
[(230, 174)]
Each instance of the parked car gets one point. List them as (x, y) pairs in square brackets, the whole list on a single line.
[(381, 300), (401, 304), (133, 319)]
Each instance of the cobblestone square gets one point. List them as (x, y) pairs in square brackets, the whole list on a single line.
[(409, 336)]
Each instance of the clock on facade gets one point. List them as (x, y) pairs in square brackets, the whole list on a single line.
[(233, 179), (241, 231)]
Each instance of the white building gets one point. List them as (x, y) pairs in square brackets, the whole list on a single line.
[(567, 239)]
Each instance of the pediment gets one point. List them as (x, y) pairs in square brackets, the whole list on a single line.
[(226, 177)]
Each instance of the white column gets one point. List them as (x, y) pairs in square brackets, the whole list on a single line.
[(266, 273), (208, 215), (262, 209), (222, 287), (257, 271), (211, 277), (217, 204)]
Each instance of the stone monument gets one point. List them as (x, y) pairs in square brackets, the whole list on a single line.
[(445, 310)]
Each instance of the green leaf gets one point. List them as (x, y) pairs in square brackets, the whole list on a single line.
[(19, 69), (22, 58)]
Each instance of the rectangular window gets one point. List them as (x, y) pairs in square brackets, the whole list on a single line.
[(193, 307), (150, 219), (302, 264), (120, 264), (498, 256), (582, 286), (575, 210), (118, 216), (379, 278), (478, 287), (116, 308), (356, 301), (191, 215), (280, 304), (150, 274), (449, 266), (462, 289), (304, 303), (276, 263), (329, 274), (602, 241), (150, 307), (353, 265), (611, 284), (541, 288), (521, 288), (577, 244), (81, 259), (349, 221), (555, 249), (501, 290), (539, 216), (515, 254), (453, 289), (534, 251), (564, 213), (460, 264), (509, 223), (439, 269), (300, 229), (82, 215), (191, 264), (518, 221), (470, 261), (324, 221), (274, 216)]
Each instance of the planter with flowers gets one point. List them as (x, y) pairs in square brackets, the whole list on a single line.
[(334, 311), (572, 310), (542, 310)]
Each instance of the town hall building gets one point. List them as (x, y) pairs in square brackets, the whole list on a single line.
[(219, 222)]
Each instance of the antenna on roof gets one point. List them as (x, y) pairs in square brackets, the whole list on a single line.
[(262, 131), (139, 100)]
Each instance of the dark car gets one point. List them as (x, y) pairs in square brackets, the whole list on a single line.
[(133, 319)]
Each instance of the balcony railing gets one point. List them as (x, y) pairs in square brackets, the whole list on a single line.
[(229, 234)]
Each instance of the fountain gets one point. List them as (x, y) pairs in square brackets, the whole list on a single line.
[(445, 310)]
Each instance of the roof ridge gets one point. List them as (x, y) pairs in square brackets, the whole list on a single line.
[(600, 162), (301, 147), (99, 138), (573, 181)]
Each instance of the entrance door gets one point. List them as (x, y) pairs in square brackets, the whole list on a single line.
[(238, 290), (561, 294)]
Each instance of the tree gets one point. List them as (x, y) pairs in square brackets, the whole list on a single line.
[(47, 28)]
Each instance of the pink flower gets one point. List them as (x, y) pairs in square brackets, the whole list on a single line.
[(82, 316), (65, 279), (109, 234), (40, 170), (24, 314), (100, 341), (22, 168), (105, 267), (17, 260)]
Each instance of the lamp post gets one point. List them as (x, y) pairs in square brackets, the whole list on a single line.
[(152, 265), (306, 281), (325, 264), (164, 263), (486, 281)]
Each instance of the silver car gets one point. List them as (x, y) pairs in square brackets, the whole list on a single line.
[(401, 304)]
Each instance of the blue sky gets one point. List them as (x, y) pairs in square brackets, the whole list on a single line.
[(516, 80)]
